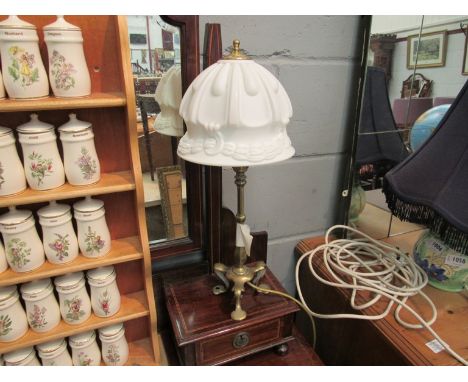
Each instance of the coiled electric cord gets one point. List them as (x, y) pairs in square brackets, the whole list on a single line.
[(365, 264)]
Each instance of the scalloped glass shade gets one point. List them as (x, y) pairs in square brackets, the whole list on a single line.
[(236, 114), (168, 96)]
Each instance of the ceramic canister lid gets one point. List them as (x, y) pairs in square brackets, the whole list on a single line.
[(61, 25), (111, 331), (5, 131), (36, 288), (15, 217), (14, 22), (50, 347), (88, 205), (53, 210), (82, 339), (18, 356), (69, 281), (101, 275), (7, 292), (74, 125), (34, 126)]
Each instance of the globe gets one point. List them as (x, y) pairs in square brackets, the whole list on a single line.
[(447, 269), (425, 125)]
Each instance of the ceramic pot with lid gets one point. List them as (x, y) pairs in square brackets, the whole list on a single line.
[(13, 321), (2, 88), (42, 309), (22, 357), (105, 295), (80, 157), (75, 305), (114, 346), (3, 260), (85, 350), (93, 234), (42, 163), (54, 353), (24, 75), (68, 72), (23, 247), (58, 236), (12, 179)]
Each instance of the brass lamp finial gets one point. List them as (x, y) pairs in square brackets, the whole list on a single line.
[(236, 53)]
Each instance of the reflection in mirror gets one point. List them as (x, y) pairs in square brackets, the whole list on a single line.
[(421, 59), (156, 66)]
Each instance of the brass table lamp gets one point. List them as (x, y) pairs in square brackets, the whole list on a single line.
[(236, 114)]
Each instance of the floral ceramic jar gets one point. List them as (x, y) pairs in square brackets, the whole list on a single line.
[(75, 305), (12, 179), (23, 247), (24, 75), (105, 295), (42, 309), (13, 321), (68, 72), (2, 89), (58, 236), (93, 234), (54, 353), (42, 163), (22, 357), (80, 157), (114, 346), (3, 260), (85, 350)]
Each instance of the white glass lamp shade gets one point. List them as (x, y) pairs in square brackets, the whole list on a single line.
[(168, 96), (236, 114)]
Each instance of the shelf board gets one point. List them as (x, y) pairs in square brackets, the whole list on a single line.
[(133, 305), (109, 183), (123, 250), (140, 353), (93, 101)]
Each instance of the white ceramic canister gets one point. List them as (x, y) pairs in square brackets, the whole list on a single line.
[(2, 88), (12, 179), (23, 247), (75, 305), (114, 346), (58, 236), (24, 75), (13, 321), (79, 152), (54, 353), (42, 309), (42, 163), (85, 350), (68, 72), (93, 234), (3, 260), (105, 295), (22, 357)]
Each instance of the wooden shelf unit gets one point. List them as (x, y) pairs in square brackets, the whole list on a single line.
[(111, 110)]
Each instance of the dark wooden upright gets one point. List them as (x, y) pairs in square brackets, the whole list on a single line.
[(204, 331)]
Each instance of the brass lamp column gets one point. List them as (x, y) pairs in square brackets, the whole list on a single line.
[(239, 273)]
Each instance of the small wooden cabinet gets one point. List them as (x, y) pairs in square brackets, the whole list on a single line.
[(111, 110)]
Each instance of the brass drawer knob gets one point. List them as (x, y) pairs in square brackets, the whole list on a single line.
[(240, 340)]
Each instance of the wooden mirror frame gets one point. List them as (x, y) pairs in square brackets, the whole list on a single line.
[(197, 229)]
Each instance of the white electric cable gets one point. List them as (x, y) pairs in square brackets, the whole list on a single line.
[(366, 264)]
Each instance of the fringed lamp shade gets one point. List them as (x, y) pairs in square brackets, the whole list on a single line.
[(168, 95), (236, 114), (431, 186), (378, 149)]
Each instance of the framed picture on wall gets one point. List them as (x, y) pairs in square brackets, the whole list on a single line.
[(432, 50), (465, 57)]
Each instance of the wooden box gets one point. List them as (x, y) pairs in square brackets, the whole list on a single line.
[(204, 332)]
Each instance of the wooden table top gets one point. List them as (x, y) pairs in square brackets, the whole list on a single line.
[(452, 314)]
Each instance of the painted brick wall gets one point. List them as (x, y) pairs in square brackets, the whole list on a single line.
[(313, 57)]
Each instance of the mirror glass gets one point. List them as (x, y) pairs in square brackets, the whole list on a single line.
[(415, 69), (156, 66)]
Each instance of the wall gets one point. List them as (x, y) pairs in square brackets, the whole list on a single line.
[(313, 57)]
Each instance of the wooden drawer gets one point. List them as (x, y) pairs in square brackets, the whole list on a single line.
[(238, 343)]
